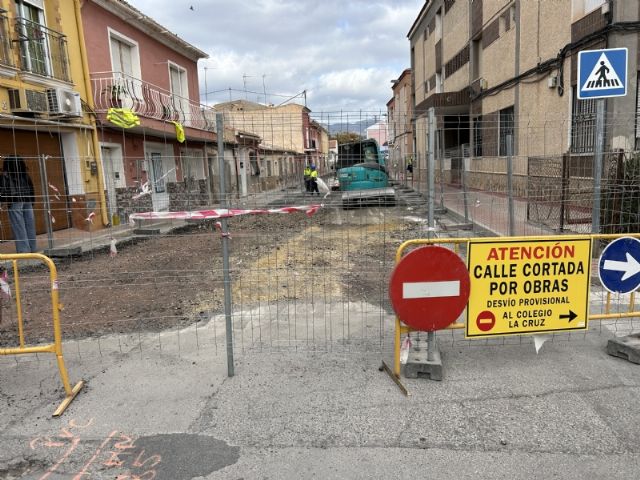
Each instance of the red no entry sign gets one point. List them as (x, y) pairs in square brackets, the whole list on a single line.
[(429, 288), (486, 320)]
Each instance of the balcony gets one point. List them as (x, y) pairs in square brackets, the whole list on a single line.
[(43, 51), (118, 90), (6, 59)]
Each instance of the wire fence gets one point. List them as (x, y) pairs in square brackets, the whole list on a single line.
[(299, 283)]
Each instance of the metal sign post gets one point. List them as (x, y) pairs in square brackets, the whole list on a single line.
[(597, 169), (512, 221), (431, 336), (601, 74), (225, 244)]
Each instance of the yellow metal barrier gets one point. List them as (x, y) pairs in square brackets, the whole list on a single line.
[(56, 346), (456, 242)]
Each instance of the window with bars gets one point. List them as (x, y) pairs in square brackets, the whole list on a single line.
[(506, 131), (583, 125), (34, 50)]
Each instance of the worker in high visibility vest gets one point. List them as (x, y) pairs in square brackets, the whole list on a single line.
[(313, 180), (307, 178)]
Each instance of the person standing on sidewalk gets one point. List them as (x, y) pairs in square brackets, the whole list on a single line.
[(17, 191), (307, 178)]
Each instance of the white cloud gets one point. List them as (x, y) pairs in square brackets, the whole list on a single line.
[(344, 54)]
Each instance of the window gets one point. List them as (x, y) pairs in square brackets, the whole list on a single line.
[(438, 30), (477, 137), (193, 168), (5, 44), (506, 131), (193, 164), (179, 92), (125, 65), (178, 78), (583, 125), (121, 57), (34, 50), (439, 82), (255, 165), (158, 172), (508, 19), (476, 59)]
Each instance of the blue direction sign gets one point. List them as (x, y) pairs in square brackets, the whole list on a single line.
[(619, 265), (602, 73)]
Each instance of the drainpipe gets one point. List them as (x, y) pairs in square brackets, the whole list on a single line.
[(94, 132)]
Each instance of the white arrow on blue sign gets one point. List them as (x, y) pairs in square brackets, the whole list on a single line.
[(602, 73), (619, 265)]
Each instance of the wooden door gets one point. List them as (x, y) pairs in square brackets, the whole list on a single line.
[(31, 146)]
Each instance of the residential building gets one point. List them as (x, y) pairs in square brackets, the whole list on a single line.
[(43, 114), (138, 67), (379, 132), (287, 129), (501, 77), (400, 114)]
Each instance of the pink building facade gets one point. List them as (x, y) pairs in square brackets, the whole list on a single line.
[(138, 67)]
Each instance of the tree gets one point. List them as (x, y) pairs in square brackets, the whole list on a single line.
[(347, 137)]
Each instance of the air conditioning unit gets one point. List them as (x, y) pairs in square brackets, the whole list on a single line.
[(64, 102), (27, 101)]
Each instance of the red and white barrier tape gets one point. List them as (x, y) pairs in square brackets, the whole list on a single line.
[(309, 210)]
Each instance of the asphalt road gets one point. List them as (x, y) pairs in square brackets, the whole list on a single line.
[(502, 411)]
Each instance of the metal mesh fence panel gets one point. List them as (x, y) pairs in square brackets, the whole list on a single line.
[(299, 283)]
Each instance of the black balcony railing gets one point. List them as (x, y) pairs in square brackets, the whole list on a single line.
[(42, 51), (5, 44)]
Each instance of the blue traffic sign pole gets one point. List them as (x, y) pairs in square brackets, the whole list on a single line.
[(597, 171), (601, 74)]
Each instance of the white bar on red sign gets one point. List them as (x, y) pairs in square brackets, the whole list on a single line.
[(431, 289)]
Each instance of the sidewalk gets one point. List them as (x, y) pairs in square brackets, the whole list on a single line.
[(73, 241)]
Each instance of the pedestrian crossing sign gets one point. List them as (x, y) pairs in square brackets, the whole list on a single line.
[(602, 73)]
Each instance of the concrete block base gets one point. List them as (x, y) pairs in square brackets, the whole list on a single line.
[(625, 347), (419, 366)]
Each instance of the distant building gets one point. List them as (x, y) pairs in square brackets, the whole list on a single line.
[(287, 129), (400, 114), (379, 132)]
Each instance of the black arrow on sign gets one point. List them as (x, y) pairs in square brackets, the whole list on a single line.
[(571, 316)]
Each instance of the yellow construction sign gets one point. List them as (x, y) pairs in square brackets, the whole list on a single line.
[(532, 285)]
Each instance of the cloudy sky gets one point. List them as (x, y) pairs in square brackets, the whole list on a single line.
[(343, 53)]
